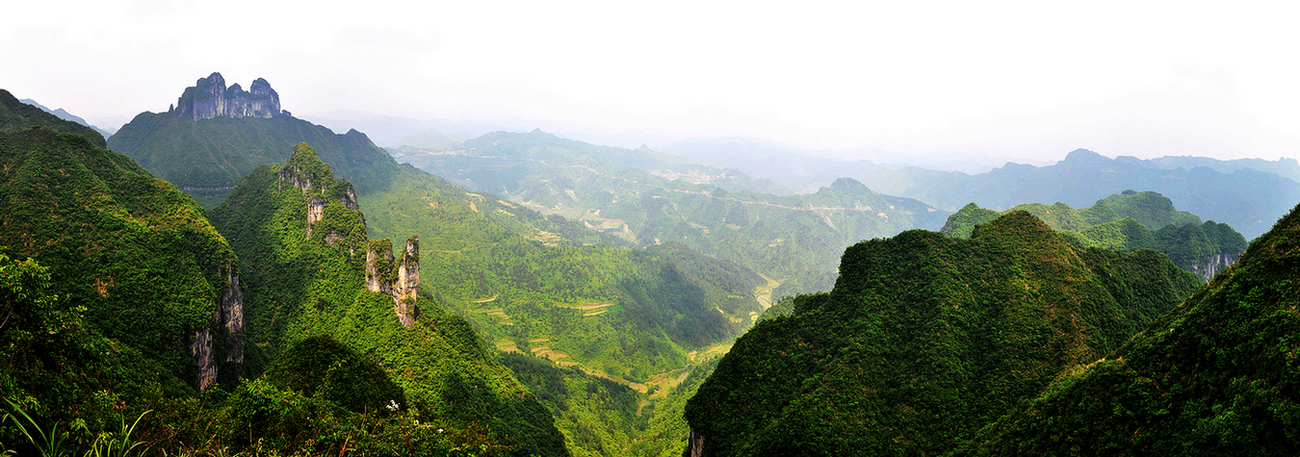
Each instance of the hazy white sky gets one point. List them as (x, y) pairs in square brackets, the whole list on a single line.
[(1029, 80)]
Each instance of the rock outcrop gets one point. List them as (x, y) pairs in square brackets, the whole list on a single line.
[(1207, 267), (315, 211), (228, 318), (399, 279), (210, 98)]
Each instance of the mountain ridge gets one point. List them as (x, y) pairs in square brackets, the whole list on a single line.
[(924, 338)]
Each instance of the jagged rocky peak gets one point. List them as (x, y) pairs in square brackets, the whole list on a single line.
[(209, 98), (398, 279), (229, 316), (306, 171)]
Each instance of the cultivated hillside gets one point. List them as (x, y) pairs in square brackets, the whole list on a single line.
[(637, 195), (611, 331)]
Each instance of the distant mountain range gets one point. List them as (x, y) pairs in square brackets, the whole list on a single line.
[(62, 114), (1248, 199), (16, 115)]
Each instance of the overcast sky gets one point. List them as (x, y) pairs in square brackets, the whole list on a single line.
[(1029, 80)]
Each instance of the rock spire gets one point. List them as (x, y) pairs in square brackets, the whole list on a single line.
[(210, 98)]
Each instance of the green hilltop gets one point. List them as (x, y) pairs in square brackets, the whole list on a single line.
[(1216, 376), (207, 157), (924, 339), (1128, 221)]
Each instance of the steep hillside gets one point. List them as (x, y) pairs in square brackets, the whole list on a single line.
[(16, 115), (1127, 222), (310, 269), (1246, 198), (926, 338), (596, 315), (138, 255), (793, 239), (117, 294), (1217, 376), (207, 156)]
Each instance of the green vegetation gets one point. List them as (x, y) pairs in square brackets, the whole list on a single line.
[(1217, 376), (926, 338), (299, 287), (135, 257), (16, 115), (642, 320), (527, 282), (1128, 221), (207, 158), (649, 198)]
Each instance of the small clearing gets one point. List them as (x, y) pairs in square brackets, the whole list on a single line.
[(507, 346), (763, 293)]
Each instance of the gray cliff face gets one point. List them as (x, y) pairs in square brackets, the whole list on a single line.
[(376, 271), (408, 282), (695, 445), (297, 178), (349, 199), (315, 211), (230, 315), (1207, 267), (398, 279), (209, 98)]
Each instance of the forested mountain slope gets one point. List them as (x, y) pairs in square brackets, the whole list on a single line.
[(926, 338), (529, 283), (118, 295), (793, 238), (1217, 376), (1128, 221), (310, 270)]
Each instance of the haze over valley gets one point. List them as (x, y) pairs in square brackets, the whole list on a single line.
[(589, 229)]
